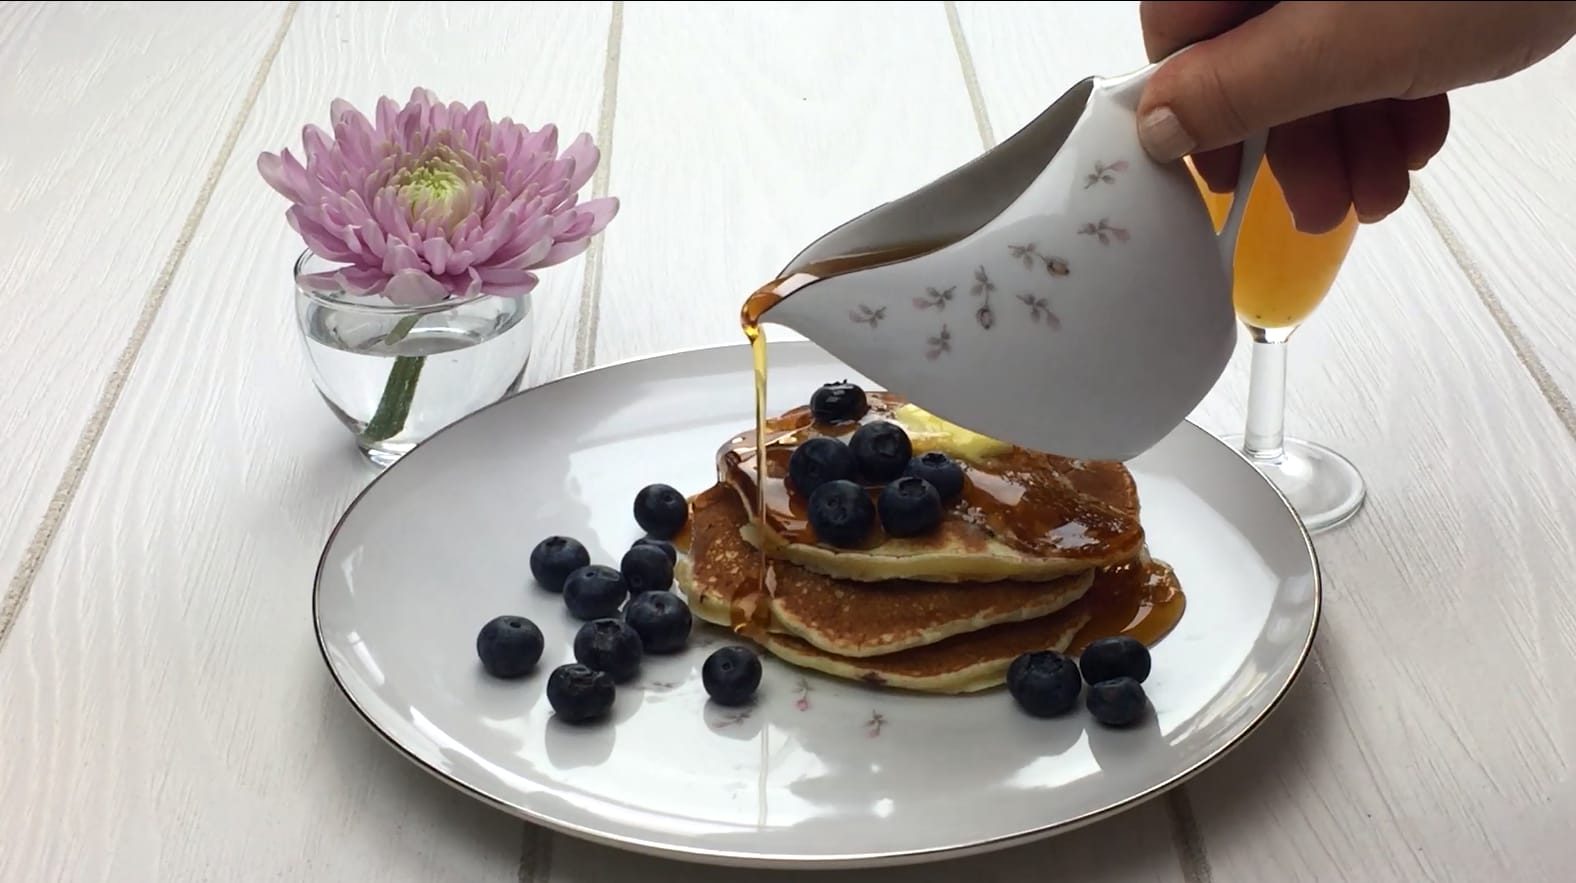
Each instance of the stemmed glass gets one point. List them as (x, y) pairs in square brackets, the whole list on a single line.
[(1281, 277)]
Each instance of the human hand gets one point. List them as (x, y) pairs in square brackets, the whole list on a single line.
[(1353, 94)]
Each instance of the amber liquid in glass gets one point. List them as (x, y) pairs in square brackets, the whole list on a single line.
[(1281, 273)]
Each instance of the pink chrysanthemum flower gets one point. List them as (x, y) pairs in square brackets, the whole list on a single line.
[(437, 200)]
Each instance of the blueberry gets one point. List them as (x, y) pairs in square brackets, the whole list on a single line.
[(818, 461), (1118, 702), (662, 620), (594, 592), (731, 675), (1044, 683), (646, 569), (1115, 657), (509, 646), (555, 558), (909, 507), (943, 473), (579, 693), (611, 646), (661, 511), (841, 402), (666, 547), (881, 451), (841, 513)]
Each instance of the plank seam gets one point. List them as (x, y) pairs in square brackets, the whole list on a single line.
[(1187, 841), (1186, 838), (591, 290), (536, 855), (536, 849), (971, 80), (87, 443), (1520, 345)]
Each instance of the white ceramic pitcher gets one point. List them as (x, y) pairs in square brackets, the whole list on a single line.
[(1062, 291)]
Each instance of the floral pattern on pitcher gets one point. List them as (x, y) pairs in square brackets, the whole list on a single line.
[(1104, 173), (983, 288), (867, 316), (1040, 310), (1036, 300), (1104, 231), (940, 343), (1030, 255), (936, 300)]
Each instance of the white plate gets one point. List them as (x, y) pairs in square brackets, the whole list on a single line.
[(819, 772)]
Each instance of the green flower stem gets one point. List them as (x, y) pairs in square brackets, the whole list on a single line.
[(398, 391)]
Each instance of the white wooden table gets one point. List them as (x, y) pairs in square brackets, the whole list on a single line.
[(167, 474)]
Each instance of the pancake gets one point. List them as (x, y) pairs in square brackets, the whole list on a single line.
[(1023, 515), (965, 663), (851, 619)]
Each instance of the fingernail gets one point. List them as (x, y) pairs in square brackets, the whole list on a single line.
[(1162, 135)]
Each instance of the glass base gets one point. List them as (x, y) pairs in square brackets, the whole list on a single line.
[(1324, 488), (382, 456)]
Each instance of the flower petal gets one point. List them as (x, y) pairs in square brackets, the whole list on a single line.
[(525, 239), (361, 280), (507, 283), (322, 241), (584, 155), (563, 251), (402, 257), (286, 175), (410, 288), (602, 212), (436, 251), (520, 210)]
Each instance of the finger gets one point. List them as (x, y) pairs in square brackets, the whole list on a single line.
[(1422, 126), (1375, 159), (1168, 27), (1219, 168), (1293, 62), (1305, 156)]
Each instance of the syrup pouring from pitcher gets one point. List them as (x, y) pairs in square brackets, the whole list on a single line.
[(1062, 291)]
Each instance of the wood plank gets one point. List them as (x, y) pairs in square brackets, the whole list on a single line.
[(163, 684), (1426, 742), (743, 132), (88, 225), (746, 131), (1505, 186)]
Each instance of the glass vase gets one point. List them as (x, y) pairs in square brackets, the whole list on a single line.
[(392, 374)]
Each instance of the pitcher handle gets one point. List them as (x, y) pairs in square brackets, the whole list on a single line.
[(1226, 239)]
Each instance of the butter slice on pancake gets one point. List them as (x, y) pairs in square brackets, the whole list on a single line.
[(1023, 515), (928, 638)]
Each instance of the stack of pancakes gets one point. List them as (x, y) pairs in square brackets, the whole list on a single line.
[(1039, 552)]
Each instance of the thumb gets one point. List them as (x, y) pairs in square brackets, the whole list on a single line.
[(1291, 62)]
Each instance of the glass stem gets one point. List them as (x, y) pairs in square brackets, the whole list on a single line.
[(1264, 437)]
